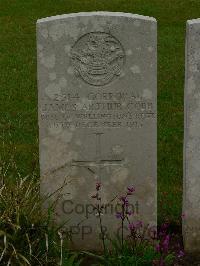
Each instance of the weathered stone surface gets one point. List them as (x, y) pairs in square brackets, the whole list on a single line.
[(191, 201), (97, 116)]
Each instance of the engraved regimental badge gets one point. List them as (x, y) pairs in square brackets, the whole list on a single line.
[(98, 58)]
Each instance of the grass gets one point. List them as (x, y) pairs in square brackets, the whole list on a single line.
[(29, 235), (18, 97)]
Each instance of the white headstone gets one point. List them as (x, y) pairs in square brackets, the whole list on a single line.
[(191, 201), (97, 82)]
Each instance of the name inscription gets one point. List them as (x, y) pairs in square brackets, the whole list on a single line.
[(96, 110)]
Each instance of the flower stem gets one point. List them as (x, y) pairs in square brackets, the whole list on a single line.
[(122, 236), (102, 232)]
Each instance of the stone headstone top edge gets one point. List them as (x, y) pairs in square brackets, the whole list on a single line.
[(193, 21), (96, 13)]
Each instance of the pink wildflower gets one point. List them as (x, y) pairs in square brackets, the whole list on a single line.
[(98, 186), (130, 190), (119, 215), (181, 254)]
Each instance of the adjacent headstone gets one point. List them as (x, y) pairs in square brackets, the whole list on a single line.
[(191, 201), (97, 82)]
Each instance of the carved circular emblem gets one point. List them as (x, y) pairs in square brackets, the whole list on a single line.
[(98, 58)]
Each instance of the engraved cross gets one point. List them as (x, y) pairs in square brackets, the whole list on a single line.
[(98, 163)]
